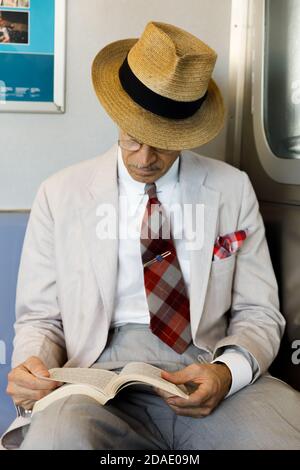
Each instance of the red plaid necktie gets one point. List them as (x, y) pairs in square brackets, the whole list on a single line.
[(165, 289)]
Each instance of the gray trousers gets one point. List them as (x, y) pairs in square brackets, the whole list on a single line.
[(264, 415)]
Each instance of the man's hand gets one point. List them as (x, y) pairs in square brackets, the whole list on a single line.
[(212, 383), (24, 388)]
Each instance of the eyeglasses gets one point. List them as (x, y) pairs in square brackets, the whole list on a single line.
[(133, 146)]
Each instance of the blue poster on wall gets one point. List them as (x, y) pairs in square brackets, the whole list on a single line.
[(28, 32)]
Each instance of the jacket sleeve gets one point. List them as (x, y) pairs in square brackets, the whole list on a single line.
[(38, 326), (256, 324)]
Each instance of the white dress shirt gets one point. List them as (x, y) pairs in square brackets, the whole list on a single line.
[(130, 301)]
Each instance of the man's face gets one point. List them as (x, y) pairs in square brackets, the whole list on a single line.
[(146, 164)]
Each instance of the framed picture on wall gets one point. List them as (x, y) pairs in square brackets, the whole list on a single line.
[(32, 55)]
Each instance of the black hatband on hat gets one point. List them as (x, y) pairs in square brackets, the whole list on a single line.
[(154, 102)]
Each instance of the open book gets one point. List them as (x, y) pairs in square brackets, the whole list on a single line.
[(103, 385)]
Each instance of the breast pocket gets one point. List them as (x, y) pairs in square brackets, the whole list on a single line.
[(223, 266), (219, 289)]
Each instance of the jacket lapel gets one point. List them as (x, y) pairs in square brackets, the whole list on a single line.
[(194, 191), (101, 213)]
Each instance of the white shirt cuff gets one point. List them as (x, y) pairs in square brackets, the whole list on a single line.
[(240, 368)]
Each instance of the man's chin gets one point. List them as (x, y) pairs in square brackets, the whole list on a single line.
[(145, 176)]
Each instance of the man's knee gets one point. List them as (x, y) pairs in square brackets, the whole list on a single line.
[(65, 424), (264, 415)]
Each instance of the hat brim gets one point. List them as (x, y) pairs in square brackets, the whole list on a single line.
[(146, 127)]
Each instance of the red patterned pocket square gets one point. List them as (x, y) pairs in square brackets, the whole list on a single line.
[(226, 245)]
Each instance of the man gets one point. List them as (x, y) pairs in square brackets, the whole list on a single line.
[(4, 33), (103, 281)]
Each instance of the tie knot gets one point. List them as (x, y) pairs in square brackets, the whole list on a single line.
[(150, 189)]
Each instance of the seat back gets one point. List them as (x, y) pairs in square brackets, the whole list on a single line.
[(12, 231), (282, 224)]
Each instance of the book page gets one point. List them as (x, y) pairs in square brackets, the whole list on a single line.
[(141, 368), (80, 375), (141, 372), (67, 390)]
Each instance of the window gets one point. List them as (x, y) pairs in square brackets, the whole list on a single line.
[(282, 77), (276, 87)]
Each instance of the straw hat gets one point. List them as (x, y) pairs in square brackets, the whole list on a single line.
[(158, 88)]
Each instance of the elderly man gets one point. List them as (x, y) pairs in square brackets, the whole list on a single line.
[(152, 253)]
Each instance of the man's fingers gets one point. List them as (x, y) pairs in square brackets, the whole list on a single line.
[(24, 387), (36, 366), (199, 412), (212, 385), (187, 374), (21, 394), (27, 380), (196, 399)]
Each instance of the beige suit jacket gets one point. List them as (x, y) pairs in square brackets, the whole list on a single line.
[(67, 276)]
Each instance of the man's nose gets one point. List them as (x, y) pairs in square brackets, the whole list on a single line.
[(146, 156)]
